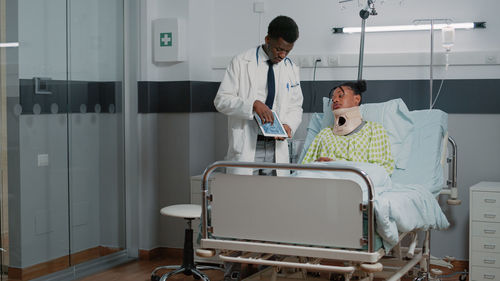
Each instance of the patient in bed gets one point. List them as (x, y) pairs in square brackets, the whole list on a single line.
[(351, 138)]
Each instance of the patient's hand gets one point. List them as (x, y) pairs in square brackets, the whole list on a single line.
[(324, 159)]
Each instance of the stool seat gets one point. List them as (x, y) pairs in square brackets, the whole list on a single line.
[(186, 211), (188, 267)]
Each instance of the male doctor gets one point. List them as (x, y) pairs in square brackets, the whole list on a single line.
[(258, 81)]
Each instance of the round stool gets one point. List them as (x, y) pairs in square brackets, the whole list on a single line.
[(188, 212)]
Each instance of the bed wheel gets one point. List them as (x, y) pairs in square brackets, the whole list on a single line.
[(463, 276), (420, 277)]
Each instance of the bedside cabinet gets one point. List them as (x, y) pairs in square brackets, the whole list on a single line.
[(196, 199), (484, 232)]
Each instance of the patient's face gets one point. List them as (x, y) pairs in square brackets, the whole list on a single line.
[(344, 97)]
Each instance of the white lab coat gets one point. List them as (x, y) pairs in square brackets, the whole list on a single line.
[(235, 98)]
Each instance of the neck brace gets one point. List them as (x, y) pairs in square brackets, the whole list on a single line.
[(346, 120)]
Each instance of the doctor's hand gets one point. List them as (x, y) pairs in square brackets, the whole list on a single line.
[(288, 132), (265, 114)]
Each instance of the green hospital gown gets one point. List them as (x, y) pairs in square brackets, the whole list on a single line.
[(370, 144)]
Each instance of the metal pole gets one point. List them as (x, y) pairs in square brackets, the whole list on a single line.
[(361, 50), (432, 59)]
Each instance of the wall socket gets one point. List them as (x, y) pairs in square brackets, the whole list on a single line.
[(333, 61), (309, 61), (490, 59)]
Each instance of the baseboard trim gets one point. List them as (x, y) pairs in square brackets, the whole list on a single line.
[(159, 252), (58, 264)]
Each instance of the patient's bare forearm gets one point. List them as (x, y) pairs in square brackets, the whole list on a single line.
[(324, 159)]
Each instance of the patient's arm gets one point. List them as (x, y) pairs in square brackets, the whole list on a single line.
[(379, 151), (315, 149), (324, 159)]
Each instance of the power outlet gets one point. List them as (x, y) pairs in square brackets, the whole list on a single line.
[(333, 61), (317, 61), (491, 59)]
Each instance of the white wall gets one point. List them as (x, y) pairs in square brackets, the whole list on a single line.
[(149, 204), (165, 71), (219, 29), (315, 20)]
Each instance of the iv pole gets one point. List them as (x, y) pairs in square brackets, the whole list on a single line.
[(364, 14), (431, 78)]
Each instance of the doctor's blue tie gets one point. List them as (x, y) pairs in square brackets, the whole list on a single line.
[(270, 85)]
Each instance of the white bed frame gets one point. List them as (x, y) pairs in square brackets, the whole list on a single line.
[(291, 222)]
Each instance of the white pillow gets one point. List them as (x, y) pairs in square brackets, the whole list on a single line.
[(394, 116)]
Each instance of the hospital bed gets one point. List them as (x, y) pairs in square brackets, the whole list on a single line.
[(318, 224)]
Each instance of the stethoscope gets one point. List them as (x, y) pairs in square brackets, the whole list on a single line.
[(290, 84)]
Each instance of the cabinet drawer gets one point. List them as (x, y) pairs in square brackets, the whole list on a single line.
[(485, 259), (479, 273), (485, 229), (486, 244), (485, 206)]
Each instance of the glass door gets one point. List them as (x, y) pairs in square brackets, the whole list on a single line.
[(95, 128), (61, 135)]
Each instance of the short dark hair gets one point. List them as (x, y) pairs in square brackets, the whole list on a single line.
[(284, 27), (357, 87)]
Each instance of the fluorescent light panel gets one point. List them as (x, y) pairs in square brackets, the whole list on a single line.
[(7, 45), (412, 27)]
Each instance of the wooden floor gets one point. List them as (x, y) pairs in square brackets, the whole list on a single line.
[(141, 271)]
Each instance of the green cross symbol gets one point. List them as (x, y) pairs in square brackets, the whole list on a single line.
[(166, 39)]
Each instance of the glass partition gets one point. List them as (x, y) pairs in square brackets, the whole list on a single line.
[(61, 134)]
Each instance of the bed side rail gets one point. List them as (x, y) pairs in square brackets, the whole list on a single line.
[(452, 190), (232, 164)]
